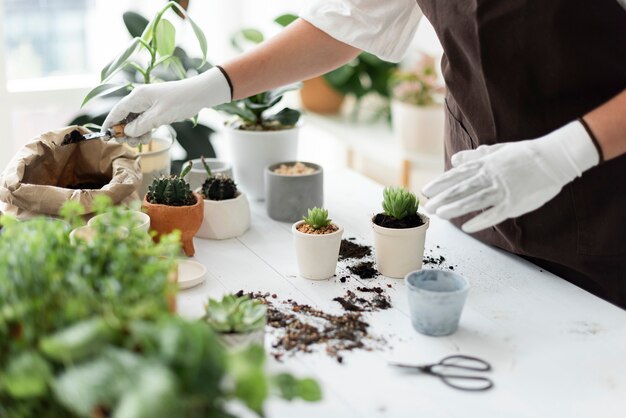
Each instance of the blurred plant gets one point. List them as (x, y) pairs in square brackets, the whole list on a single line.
[(420, 86), (171, 190), (235, 314), (217, 187), (399, 203), (252, 112), (317, 218)]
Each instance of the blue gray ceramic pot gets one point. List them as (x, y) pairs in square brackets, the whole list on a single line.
[(288, 197)]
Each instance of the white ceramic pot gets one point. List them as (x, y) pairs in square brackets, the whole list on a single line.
[(155, 161), (399, 251), (317, 255), (198, 175), (418, 128), (225, 218), (252, 151), (239, 341), (140, 220)]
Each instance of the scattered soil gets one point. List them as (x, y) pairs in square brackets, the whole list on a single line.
[(73, 137), (387, 221), (351, 302), (308, 229), (297, 169), (364, 270), (350, 250), (433, 260)]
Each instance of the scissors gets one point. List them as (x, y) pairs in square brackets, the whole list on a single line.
[(447, 370)]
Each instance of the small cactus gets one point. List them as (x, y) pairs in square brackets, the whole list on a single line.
[(171, 190), (218, 187), (399, 203), (318, 218)]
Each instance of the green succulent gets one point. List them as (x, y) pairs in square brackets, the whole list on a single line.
[(318, 218), (399, 203), (235, 314), (171, 190), (217, 187)]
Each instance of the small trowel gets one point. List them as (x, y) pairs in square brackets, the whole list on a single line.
[(115, 131)]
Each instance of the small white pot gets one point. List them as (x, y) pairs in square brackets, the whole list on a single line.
[(140, 220), (418, 128), (198, 175), (239, 341), (317, 255), (155, 161), (225, 219), (399, 251), (252, 151)]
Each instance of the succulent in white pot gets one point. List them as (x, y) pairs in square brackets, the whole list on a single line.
[(260, 136), (239, 321), (226, 208), (399, 233), (417, 112), (317, 240)]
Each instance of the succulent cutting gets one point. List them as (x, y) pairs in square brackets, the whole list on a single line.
[(399, 203), (317, 218)]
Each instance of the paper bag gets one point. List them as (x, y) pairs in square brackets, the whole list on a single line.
[(44, 174)]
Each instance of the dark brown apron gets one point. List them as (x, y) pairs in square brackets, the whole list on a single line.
[(518, 70)]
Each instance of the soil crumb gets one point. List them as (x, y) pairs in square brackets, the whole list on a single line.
[(364, 270), (308, 229), (73, 137), (350, 250), (387, 221), (352, 302)]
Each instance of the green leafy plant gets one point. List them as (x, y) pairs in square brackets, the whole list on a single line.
[(253, 113), (217, 187), (317, 218), (399, 203), (171, 190), (235, 314), (420, 86)]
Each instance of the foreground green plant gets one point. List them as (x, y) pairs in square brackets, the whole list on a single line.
[(317, 218), (86, 330), (217, 187), (235, 314), (399, 203), (171, 190)]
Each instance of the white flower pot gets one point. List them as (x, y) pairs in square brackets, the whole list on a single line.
[(418, 128), (155, 161), (239, 341), (317, 255), (225, 219), (252, 151), (399, 251), (140, 220)]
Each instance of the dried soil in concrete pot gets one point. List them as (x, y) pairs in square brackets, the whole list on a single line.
[(317, 251), (252, 151), (291, 188), (165, 219), (399, 244)]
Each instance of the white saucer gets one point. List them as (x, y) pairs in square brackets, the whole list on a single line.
[(190, 273)]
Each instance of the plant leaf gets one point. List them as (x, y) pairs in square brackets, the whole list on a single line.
[(286, 117), (26, 375), (102, 90), (279, 92), (285, 19), (121, 59), (165, 37), (135, 23), (201, 39), (234, 109)]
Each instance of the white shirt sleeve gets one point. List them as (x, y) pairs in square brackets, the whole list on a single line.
[(384, 28)]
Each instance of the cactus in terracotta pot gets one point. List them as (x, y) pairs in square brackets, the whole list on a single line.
[(172, 205)]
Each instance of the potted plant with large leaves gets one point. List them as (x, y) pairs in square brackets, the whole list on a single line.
[(259, 135), (147, 55)]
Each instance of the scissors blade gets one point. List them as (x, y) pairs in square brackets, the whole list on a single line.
[(406, 366), (105, 136)]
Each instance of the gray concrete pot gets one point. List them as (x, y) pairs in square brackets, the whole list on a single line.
[(289, 197)]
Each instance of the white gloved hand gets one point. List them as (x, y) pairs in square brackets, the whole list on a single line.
[(164, 103), (510, 179)]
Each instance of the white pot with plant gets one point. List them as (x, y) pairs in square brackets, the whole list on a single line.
[(238, 320), (399, 233), (417, 113), (150, 55), (317, 240), (259, 136), (226, 209)]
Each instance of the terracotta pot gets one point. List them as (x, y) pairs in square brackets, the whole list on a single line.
[(317, 96), (187, 219)]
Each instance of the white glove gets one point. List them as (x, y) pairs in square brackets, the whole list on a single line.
[(164, 103), (511, 178)]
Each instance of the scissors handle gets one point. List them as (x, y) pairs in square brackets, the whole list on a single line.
[(467, 383), (463, 362)]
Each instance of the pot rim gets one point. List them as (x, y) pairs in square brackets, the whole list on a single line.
[(316, 236), (150, 153), (412, 287), (227, 165), (240, 196), (296, 127), (318, 169), (198, 200), (398, 231)]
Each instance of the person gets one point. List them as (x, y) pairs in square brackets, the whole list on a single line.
[(536, 115)]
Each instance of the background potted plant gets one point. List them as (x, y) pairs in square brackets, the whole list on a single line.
[(172, 206), (238, 320), (291, 188), (152, 56), (226, 209), (259, 136), (416, 108), (317, 242), (399, 233), (198, 174), (86, 331)]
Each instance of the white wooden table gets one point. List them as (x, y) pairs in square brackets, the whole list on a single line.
[(556, 350)]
